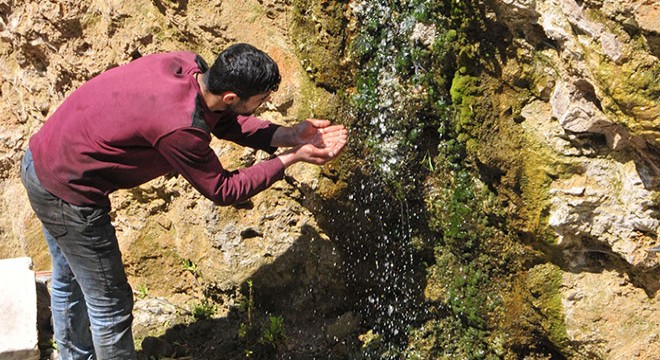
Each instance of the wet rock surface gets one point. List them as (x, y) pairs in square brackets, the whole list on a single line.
[(595, 107)]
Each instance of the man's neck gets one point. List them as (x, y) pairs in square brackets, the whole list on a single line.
[(213, 102)]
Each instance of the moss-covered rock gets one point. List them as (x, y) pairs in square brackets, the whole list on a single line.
[(319, 30)]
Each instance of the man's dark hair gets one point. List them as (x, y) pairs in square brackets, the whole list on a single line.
[(244, 70)]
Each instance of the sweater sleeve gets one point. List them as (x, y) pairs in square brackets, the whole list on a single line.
[(189, 154), (247, 131)]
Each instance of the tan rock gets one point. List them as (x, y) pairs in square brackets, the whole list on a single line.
[(610, 317)]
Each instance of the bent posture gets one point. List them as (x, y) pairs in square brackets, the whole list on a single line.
[(125, 127)]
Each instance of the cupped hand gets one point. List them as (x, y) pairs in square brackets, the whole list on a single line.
[(312, 154), (320, 134)]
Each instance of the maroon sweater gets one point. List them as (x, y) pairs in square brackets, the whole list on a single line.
[(139, 121)]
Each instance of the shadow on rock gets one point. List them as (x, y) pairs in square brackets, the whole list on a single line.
[(325, 292)]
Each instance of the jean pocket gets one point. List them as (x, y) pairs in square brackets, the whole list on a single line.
[(53, 220), (99, 217), (91, 216)]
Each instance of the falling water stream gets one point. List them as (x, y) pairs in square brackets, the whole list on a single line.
[(412, 221), (399, 113)]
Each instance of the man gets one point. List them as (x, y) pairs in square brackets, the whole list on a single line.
[(127, 126)]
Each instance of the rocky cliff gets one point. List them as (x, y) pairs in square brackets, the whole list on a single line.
[(528, 241), (596, 109), (183, 255)]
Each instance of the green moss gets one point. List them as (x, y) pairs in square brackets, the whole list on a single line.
[(319, 32), (543, 282), (633, 90), (535, 184), (465, 92), (317, 102), (531, 316), (655, 196), (483, 183)]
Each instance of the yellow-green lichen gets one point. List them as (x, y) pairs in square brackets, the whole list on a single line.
[(543, 282)]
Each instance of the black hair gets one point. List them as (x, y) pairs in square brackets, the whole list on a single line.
[(244, 70)]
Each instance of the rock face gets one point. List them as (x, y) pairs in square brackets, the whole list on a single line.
[(176, 244), (610, 316), (595, 108), (612, 137), (601, 118), (50, 49)]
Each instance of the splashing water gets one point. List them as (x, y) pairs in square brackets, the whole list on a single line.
[(418, 208), (388, 110)]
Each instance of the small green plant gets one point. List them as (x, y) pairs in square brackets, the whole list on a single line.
[(250, 302), (428, 162), (142, 291), (258, 333), (242, 331), (203, 310), (247, 305), (370, 338), (189, 265), (274, 331)]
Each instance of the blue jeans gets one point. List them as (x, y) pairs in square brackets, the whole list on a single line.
[(91, 300)]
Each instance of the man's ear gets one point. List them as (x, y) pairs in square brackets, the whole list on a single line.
[(230, 98)]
